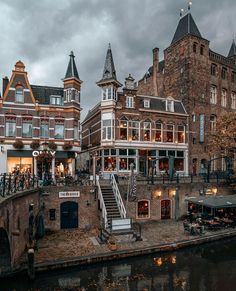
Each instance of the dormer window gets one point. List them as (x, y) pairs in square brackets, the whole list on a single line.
[(19, 95), (56, 100), (107, 93), (146, 103), (170, 105)]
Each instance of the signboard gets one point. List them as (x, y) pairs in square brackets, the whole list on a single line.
[(69, 194), (202, 127), (121, 224)]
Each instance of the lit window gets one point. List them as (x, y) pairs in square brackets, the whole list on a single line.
[(224, 98), (27, 129), (158, 133), (170, 133), (143, 209), (147, 130), (19, 95), (180, 134), (213, 95), (123, 129), (134, 129), (129, 102), (59, 131)]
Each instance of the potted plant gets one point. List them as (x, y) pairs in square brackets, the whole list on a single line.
[(18, 144), (52, 145), (35, 144), (112, 244), (67, 146)]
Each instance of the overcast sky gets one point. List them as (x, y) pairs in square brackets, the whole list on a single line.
[(42, 34)]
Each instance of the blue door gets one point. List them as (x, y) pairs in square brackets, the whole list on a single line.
[(69, 215)]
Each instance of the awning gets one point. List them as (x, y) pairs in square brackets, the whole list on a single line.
[(214, 201)]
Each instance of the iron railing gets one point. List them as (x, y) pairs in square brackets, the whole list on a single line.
[(119, 200), (13, 183)]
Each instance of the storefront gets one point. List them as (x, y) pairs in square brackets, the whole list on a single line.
[(59, 164)]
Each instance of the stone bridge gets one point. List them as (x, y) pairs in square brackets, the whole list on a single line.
[(14, 225)]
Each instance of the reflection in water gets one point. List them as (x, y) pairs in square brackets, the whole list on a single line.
[(202, 268)]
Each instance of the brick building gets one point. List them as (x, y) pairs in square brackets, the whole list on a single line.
[(128, 128), (40, 121), (202, 79)]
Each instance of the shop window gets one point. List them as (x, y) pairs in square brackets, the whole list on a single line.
[(19, 95), (180, 134), (59, 131), (134, 129), (52, 214), (27, 129), (170, 133), (158, 132), (179, 164), (147, 131), (123, 129), (109, 163), (10, 128), (19, 165), (143, 209)]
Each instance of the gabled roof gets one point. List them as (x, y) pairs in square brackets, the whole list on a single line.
[(71, 69), (186, 26), (232, 51), (43, 93)]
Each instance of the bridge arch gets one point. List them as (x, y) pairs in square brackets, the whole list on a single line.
[(5, 252)]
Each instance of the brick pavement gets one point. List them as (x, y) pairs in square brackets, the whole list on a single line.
[(68, 244)]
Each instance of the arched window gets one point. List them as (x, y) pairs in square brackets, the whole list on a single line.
[(158, 131), (194, 47), (147, 130), (134, 127), (143, 209), (233, 100), (19, 94), (202, 49)]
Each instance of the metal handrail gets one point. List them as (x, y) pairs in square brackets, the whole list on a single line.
[(102, 205), (119, 200)]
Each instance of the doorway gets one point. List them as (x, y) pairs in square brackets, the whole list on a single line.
[(69, 215), (165, 209)]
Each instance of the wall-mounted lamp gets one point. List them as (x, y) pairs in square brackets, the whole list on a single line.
[(2, 149), (157, 194)]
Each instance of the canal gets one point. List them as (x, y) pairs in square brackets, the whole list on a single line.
[(203, 268)]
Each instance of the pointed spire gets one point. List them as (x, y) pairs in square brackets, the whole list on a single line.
[(232, 51), (109, 71), (186, 26), (71, 69)]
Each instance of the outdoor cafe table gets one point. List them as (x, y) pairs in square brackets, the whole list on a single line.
[(212, 224)]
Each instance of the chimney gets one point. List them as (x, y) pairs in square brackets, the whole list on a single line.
[(5, 82), (155, 52)]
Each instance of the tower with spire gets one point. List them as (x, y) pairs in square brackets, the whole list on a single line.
[(109, 83), (232, 51), (72, 82)]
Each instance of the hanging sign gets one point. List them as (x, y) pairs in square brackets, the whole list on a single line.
[(202, 127)]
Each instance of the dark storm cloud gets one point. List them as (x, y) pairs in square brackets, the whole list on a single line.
[(42, 33)]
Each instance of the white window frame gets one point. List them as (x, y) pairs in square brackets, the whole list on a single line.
[(56, 100), (7, 131), (213, 94), (170, 105), (233, 100), (213, 120), (224, 98), (129, 102), (17, 99), (146, 103), (56, 127)]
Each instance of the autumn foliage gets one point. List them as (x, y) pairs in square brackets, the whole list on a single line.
[(223, 139)]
